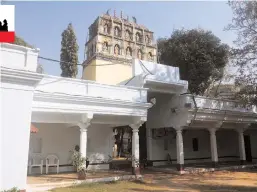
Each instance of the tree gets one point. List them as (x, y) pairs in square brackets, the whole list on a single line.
[(19, 41), (200, 56), (244, 54), (119, 137), (69, 53)]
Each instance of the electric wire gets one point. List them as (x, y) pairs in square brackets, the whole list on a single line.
[(79, 64)]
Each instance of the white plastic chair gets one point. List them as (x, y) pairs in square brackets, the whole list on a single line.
[(52, 161), (36, 161)]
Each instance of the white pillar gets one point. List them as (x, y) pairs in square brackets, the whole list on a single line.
[(241, 146), (180, 150), (83, 139), (135, 149), (213, 141)]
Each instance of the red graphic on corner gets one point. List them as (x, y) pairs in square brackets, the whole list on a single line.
[(7, 33)]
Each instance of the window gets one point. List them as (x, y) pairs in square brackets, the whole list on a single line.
[(195, 144)]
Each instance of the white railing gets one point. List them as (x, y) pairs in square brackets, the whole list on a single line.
[(157, 72), (77, 87), (215, 104)]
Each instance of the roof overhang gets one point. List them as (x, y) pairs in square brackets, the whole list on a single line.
[(164, 87)]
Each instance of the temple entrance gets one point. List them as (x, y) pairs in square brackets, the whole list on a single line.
[(122, 149)]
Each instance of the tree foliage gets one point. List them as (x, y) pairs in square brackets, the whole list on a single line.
[(244, 55), (69, 53), (19, 41), (199, 54)]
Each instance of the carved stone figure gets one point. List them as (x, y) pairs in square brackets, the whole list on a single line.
[(127, 34), (105, 46), (105, 28), (139, 54), (147, 39), (116, 50), (137, 37), (150, 56), (128, 51), (116, 31)]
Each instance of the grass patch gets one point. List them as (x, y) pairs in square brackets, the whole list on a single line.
[(114, 186)]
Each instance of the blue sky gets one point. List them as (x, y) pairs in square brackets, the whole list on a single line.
[(41, 23)]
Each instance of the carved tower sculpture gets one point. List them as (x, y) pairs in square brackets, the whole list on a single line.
[(113, 43)]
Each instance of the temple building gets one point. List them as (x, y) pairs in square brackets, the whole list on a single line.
[(113, 43)]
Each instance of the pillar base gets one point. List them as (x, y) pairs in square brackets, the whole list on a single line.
[(215, 164), (136, 170), (242, 162), (180, 167)]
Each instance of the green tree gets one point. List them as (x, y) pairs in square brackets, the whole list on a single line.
[(244, 54), (199, 54), (19, 41), (69, 53)]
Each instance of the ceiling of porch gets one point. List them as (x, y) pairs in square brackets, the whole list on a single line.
[(71, 119)]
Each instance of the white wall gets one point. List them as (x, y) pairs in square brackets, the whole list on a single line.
[(15, 128), (59, 139), (227, 149), (18, 81)]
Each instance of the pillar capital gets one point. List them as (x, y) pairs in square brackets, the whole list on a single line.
[(85, 121), (135, 126), (86, 118), (179, 131), (212, 130), (240, 131), (178, 128), (83, 126)]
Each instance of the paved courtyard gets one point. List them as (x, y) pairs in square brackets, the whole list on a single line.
[(221, 181)]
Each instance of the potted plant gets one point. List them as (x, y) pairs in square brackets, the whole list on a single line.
[(79, 163)]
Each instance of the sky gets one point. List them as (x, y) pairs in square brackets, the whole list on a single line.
[(41, 23)]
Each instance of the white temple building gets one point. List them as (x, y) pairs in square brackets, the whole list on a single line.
[(179, 128)]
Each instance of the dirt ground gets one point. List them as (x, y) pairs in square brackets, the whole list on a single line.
[(221, 181)]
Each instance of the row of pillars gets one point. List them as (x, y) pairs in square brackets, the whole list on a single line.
[(135, 144), (179, 144), (214, 151)]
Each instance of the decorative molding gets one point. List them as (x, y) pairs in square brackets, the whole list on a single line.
[(20, 77), (108, 57), (138, 123), (89, 100)]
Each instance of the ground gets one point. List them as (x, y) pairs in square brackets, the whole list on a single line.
[(221, 181)]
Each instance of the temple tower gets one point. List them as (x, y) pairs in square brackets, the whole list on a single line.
[(113, 42)]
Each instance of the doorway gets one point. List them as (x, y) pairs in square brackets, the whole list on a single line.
[(248, 152)]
